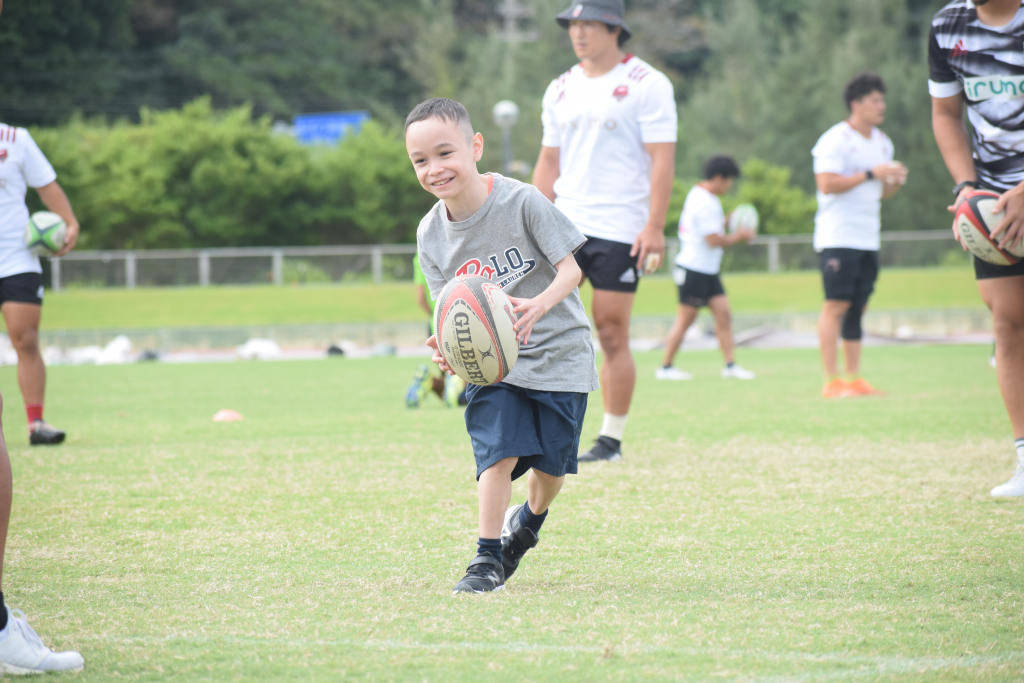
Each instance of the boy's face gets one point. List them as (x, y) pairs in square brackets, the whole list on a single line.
[(719, 185), (444, 158)]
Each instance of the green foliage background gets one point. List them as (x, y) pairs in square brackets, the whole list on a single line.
[(108, 84)]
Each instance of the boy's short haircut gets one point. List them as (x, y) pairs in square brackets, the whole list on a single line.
[(862, 85), (442, 108), (721, 165)]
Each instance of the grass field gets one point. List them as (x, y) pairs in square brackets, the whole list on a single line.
[(753, 532), (263, 305)]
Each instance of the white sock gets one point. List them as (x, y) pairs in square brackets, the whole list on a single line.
[(1020, 450), (613, 426)]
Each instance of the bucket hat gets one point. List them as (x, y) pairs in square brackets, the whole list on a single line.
[(608, 11)]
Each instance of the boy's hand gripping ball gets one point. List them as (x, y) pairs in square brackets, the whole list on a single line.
[(975, 222), (473, 319)]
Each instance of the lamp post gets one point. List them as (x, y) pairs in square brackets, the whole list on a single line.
[(505, 114)]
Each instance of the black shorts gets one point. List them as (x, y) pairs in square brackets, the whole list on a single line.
[(608, 265), (541, 428), (696, 288), (849, 274), (983, 270), (23, 288)]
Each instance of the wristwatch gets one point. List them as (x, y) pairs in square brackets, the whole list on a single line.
[(961, 185), (869, 174)]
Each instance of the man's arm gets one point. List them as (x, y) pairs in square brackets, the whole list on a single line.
[(651, 239), (547, 170), (833, 183), (717, 240), (55, 200)]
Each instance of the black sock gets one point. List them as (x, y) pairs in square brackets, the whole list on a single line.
[(489, 546), (529, 520), (666, 367), (3, 613), (730, 364)]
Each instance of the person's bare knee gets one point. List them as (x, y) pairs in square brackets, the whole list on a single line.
[(26, 342), (614, 338)]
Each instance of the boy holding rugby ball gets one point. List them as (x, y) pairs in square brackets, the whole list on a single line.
[(506, 231)]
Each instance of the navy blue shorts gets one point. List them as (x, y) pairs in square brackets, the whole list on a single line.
[(541, 428)]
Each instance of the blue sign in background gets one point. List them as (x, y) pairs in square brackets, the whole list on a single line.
[(328, 127)]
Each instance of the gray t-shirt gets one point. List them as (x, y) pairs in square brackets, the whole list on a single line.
[(514, 240)]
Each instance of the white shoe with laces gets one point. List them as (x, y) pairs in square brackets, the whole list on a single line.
[(671, 373), (23, 652), (1013, 488), (737, 371)]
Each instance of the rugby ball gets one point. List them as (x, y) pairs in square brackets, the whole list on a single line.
[(975, 222), (44, 233), (744, 217), (474, 320)]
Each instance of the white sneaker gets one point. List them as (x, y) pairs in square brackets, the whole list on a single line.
[(737, 371), (671, 373), (1014, 487), (23, 652)]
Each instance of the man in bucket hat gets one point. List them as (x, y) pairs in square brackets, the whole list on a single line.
[(607, 161)]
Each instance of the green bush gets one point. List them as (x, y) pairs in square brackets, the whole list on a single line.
[(198, 178)]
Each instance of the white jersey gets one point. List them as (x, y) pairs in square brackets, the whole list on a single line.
[(22, 165), (702, 216), (600, 126), (850, 219)]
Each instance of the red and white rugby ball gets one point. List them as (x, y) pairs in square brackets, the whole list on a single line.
[(473, 319), (975, 222)]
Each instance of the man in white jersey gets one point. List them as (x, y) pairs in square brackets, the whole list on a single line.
[(975, 59), (607, 160), (703, 241), (22, 165), (854, 171)]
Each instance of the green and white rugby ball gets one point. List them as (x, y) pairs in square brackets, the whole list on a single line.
[(744, 217), (44, 233)]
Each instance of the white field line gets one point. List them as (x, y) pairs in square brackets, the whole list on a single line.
[(856, 666)]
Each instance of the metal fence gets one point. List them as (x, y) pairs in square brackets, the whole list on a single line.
[(393, 262)]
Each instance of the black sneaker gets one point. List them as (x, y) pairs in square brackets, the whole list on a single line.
[(604, 449), (516, 539), (483, 576), (42, 434)]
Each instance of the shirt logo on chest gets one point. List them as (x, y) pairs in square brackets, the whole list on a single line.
[(958, 50), (515, 267), (3, 155), (620, 92)]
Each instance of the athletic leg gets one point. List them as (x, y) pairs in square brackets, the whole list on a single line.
[(611, 311), (542, 490), (23, 327), (494, 490), (719, 306), (829, 322), (1005, 298), (6, 494), (684, 318)]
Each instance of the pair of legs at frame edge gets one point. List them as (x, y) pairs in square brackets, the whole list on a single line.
[(842, 318), (719, 307), (506, 533), (22, 320), (1004, 296)]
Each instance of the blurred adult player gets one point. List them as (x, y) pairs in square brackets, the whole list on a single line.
[(449, 388), (854, 171), (607, 160), (22, 165), (703, 238), (975, 58)]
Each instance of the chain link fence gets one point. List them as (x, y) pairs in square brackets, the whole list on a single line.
[(393, 262)]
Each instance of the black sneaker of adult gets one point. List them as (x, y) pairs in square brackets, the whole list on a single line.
[(483, 575), (605, 449), (43, 434), (516, 539)]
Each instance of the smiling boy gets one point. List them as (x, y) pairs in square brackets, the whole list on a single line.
[(506, 231)]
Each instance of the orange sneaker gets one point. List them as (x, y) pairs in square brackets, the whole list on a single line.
[(860, 387), (837, 388)]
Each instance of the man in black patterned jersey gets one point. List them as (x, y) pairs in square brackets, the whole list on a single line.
[(976, 57)]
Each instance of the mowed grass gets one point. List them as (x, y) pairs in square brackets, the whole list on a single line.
[(754, 532), (265, 305)]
